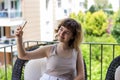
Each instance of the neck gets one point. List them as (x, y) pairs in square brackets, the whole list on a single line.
[(63, 46)]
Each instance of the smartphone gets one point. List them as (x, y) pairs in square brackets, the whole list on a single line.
[(23, 25)]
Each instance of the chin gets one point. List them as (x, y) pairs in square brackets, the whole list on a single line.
[(60, 39)]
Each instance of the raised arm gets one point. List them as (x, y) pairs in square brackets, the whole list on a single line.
[(27, 55)]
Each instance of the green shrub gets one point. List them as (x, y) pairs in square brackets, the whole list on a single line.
[(116, 27), (96, 59), (2, 72), (96, 24), (93, 23)]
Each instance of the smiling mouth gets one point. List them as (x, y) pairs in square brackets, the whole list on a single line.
[(62, 37)]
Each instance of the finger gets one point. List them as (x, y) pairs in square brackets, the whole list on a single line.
[(19, 27), (18, 31)]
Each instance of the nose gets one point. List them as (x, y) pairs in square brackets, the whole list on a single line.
[(62, 33)]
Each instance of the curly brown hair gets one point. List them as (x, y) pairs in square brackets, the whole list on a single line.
[(75, 28)]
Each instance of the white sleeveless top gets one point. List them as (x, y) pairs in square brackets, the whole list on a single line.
[(61, 67)]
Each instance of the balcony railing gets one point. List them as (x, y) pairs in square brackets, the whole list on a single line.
[(94, 54)]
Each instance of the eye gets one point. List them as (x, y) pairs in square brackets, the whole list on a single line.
[(61, 29), (67, 32)]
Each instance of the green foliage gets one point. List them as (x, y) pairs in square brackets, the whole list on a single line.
[(96, 55), (73, 15), (116, 27), (93, 23), (2, 72), (92, 9), (22, 76), (96, 23), (9, 73), (106, 38), (79, 17)]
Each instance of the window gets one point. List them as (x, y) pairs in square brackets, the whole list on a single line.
[(2, 5), (59, 3), (2, 32), (65, 11), (10, 8), (12, 29), (81, 4), (13, 4), (47, 2), (15, 8)]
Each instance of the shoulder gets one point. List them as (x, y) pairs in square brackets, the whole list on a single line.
[(48, 48), (78, 52)]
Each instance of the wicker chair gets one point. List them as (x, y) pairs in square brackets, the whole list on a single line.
[(17, 69), (112, 68), (20, 65)]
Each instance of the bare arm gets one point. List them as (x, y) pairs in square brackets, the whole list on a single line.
[(80, 67), (27, 55)]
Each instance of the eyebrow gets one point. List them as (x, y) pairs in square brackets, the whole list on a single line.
[(66, 28)]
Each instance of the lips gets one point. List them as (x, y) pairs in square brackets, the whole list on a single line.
[(61, 37)]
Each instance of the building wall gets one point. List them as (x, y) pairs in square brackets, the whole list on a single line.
[(47, 20), (31, 13), (7, 32), (42, 20)]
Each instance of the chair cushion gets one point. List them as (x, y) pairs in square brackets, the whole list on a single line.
[(117, 73), (34, 69)]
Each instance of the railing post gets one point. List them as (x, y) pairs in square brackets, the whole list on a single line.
[(12, 55), (90, 59), (5, 63), (101, 59), (113, 51)]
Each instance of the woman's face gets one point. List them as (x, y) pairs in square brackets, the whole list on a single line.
[(64, 34)]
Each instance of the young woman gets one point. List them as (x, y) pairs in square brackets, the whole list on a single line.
[(64, 59)]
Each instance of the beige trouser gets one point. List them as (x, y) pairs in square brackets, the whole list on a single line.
[(117, 73)]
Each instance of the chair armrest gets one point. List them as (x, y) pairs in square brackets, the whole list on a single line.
[(19, 64), (17, 69), (112, 68), (85, 68)]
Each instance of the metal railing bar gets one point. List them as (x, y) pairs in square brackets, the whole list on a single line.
[(100, 43), (5, 63), (101, 59), (113, 51), (12, 55), (7, 46), (90, 44), (90, 59)]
